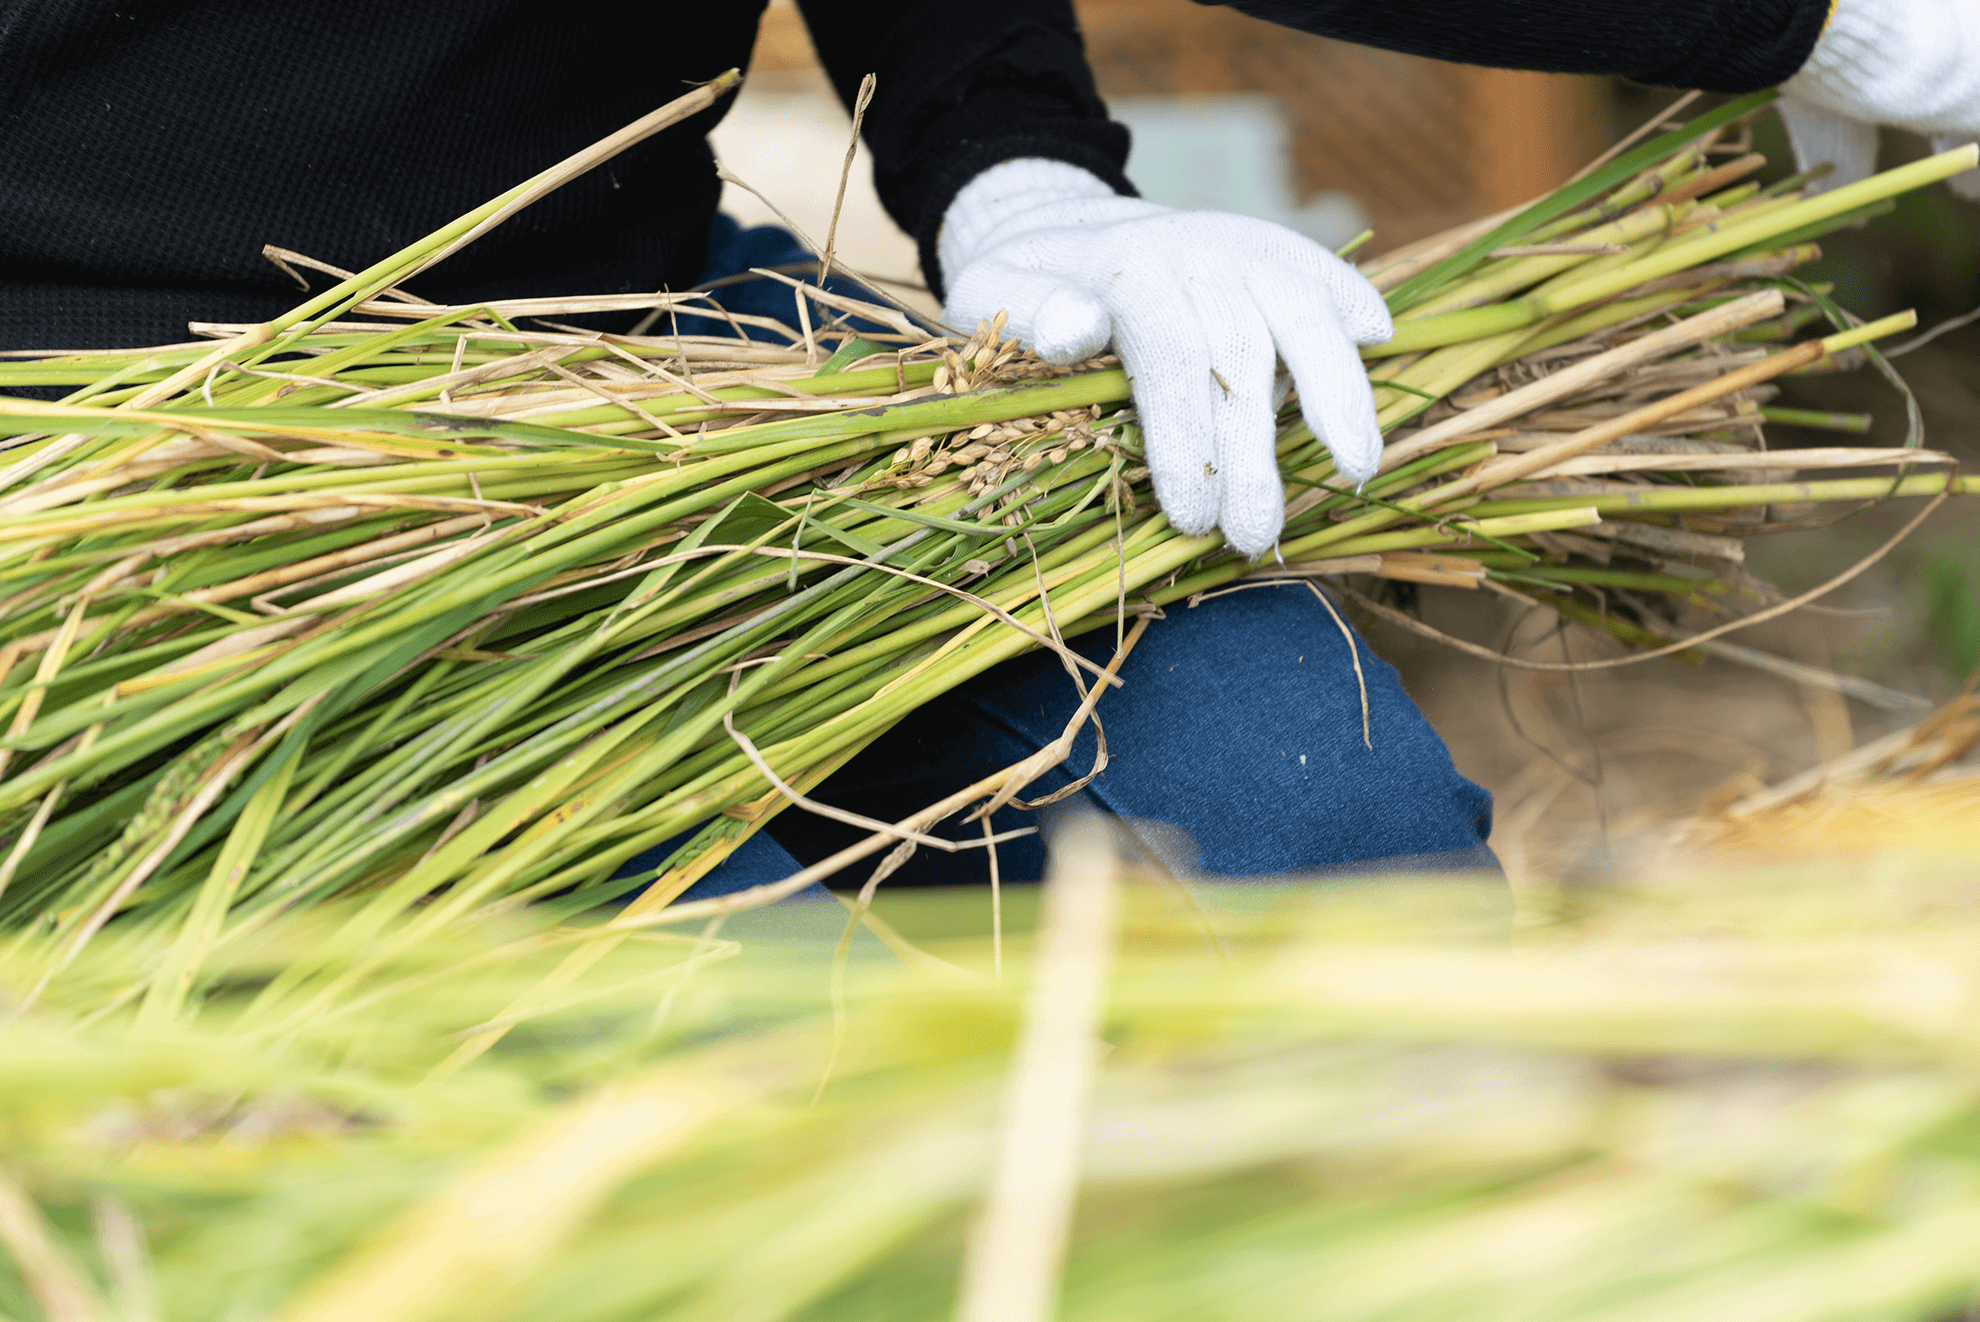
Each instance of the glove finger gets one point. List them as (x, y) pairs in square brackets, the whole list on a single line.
[(1359, 306), (1965, 185), (1061, 322), (1251, 505), (1167, 358), (1334, 396), (1822, 137)]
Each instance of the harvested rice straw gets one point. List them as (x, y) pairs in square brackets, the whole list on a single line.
[(457, 615), (1011, 1271), (1696, 1098)]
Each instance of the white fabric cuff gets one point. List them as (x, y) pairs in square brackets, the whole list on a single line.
[(1914, 64), (986, 204)]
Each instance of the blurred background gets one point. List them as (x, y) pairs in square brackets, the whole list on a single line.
[(1236, 114)]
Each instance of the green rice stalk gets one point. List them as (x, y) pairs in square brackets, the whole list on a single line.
[(650, 1139), (459, 614)]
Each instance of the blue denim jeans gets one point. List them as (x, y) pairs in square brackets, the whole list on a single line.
[(733, 252), (1235, 745)]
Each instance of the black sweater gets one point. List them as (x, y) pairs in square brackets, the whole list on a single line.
[(1716, 45), (148, 151)]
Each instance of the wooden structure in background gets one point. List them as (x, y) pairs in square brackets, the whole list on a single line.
[(1424, 145)]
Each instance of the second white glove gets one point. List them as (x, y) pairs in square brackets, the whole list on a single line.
[(1911, 64), (1200, 305)]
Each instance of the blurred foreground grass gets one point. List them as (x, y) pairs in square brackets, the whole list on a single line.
[(1746, 1090)]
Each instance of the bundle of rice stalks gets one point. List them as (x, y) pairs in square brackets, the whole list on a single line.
[(1750, 1100), (455, 613)]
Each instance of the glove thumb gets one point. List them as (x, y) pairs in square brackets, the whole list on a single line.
[(1060, 322), (1823, 137)]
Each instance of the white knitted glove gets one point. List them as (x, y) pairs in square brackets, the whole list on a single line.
[(1912, 64), (1200, 305)]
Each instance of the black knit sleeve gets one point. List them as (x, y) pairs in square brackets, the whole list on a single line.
[(1716, 45), (960, 88)]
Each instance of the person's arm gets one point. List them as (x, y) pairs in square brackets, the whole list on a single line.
[(1715, 45), (1844, 66), (991, 146), (959, 89)]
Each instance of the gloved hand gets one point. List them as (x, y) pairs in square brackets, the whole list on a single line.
[(1199, 305), (1912, 64)]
